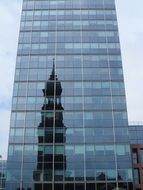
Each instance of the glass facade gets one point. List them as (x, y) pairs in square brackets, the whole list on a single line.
[(2, 174), (69, 126)]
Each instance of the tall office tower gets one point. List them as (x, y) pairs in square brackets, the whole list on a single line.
[(69, 127)]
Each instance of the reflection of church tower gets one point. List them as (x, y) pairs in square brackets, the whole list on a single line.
[(51, 161)]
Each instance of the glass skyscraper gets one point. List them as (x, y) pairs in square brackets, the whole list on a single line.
[(69, 126)]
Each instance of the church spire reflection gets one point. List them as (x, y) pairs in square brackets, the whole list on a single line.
[(51, 159)]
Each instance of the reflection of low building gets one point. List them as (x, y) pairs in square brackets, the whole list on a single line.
[(51, 161), (2, 174), (111, 186)]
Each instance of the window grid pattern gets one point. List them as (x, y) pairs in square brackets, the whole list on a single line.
[(2, 174)]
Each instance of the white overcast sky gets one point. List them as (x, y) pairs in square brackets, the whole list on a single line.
[(130, 19)]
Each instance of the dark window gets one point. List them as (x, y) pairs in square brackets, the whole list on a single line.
[(123, 185), (111, 186), (90, 186), (47, 186), (130, 186), (58, 187), (101, 186), (79, 186), (38, 186), (69, 186)]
